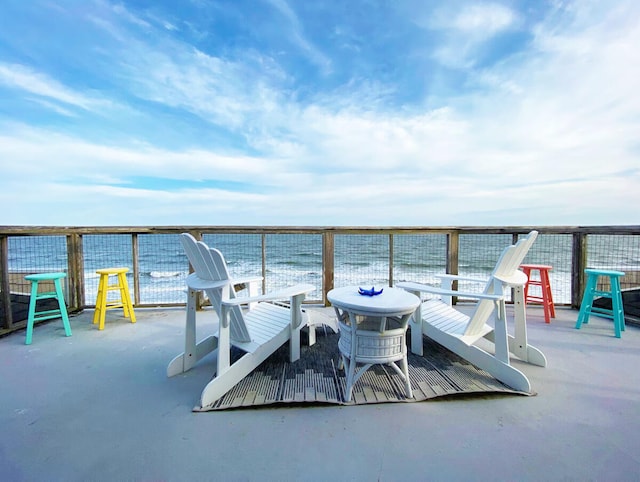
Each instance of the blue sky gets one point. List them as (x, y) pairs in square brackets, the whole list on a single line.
[(282, 112)]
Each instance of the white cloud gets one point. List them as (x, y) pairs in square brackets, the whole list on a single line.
[(17, 76), (465, 28), (43, 154), (482, 19), (299, 39)]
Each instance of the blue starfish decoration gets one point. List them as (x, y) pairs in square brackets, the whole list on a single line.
[(371, 292)]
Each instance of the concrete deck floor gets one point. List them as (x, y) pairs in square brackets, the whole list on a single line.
[(98, 406)]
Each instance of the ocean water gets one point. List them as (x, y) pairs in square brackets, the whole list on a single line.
[(297, 258)]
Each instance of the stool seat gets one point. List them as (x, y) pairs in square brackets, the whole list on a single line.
[(102, 299), (615, 294), (57, 294), (546, 297), (604, 272)]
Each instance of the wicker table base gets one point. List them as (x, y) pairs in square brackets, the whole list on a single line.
[(373, 331)]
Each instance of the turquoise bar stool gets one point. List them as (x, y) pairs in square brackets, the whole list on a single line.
[(60, 312), (615, 294)]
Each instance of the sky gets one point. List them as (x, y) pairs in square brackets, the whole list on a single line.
[(319, 113)]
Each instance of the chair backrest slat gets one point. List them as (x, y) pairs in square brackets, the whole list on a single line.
[(190, 245), (507, 265)]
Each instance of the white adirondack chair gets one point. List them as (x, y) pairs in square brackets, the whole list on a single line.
[(458, 332), (258, 332)]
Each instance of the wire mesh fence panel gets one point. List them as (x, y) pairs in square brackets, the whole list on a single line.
[(478, 255), (419, 257), (290, 258), (163, 268), (242, 252), (615, 252), (105, 251), (35, 254), (553, 250), (361, 260), (293, 259)]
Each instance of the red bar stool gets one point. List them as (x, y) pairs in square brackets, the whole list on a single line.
[(546, 298)]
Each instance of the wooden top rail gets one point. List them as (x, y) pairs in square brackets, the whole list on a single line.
[(66, 230)]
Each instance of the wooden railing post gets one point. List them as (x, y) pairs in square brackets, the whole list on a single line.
[(6, 312), (578, 265), (75, 268), (453, 258), (199, 296), (263, 251), (328, 266), (135, 255), (390, 260)]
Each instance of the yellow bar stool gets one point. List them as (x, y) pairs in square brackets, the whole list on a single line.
[(60, 312), (102, 300)]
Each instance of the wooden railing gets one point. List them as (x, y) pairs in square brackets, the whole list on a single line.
[(388, 238)]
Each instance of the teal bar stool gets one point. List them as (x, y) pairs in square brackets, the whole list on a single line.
[(615, 294), (60, 312)]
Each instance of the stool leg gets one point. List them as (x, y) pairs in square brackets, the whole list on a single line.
[(547, 299), (527, 272), (104, 280), (616, 305), (63, 307), (32, 312), (587, 302), (125, 296), (96, 313), (552, 308), (621, 305)]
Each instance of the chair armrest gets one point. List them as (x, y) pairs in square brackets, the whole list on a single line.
[(200, 284), (517, 279), (196, 283), (239, 281), (418, 287), (274, 296), (455, 277)]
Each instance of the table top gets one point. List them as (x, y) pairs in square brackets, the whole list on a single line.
[(391, 302)]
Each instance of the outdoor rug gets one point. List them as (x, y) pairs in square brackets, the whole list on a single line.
[(315, 378)]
